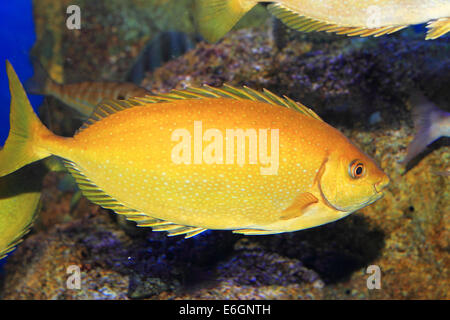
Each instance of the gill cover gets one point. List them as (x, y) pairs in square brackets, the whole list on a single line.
[(342, 190)]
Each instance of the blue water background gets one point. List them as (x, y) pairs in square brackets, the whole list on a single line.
[(17, 36)]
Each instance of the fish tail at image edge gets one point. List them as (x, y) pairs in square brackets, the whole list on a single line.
[(23, 144)]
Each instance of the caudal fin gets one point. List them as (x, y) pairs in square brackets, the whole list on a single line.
[(26, 130), (425, 115), (216, 17)]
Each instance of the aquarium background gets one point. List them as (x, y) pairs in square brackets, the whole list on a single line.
[(17, 37), (358, 85)]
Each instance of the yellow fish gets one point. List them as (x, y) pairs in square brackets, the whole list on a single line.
[(180, 162), (350, 17), (20, 194), (19, 201), (83, 97)]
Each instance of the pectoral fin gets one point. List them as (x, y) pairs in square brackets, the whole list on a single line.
[(298, 206)]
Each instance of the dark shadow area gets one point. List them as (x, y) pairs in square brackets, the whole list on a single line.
[(185, 264), (334, 250), (157, 263), (159, 50), (25, 180)]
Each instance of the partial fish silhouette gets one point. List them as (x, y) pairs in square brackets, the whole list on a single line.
[(82, 97), (430, 123)]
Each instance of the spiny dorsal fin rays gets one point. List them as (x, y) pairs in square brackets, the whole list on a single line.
[(438, 28), (106, 108), (99, 197), (302, 108), (241, 93), (305, 24), (109, 107), (267, 96)]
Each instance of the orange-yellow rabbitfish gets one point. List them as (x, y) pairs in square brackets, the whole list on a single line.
[(205, 158)]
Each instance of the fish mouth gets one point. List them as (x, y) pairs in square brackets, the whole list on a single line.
[(379, 188), (379, 193), (381, 185)]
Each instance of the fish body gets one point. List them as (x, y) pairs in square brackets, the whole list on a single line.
[(83, 97), (20, 194), (430, 123), (351, 17), (172, 161)]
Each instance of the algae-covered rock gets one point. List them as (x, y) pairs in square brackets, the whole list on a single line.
[(345, 76), (112, 34)]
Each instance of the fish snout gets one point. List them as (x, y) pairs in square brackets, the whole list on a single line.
[(383, 183)]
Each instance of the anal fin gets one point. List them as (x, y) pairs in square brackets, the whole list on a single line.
[(98, 196)]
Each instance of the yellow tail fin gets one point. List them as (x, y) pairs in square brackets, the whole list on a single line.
[(22, 145), (216, 17)]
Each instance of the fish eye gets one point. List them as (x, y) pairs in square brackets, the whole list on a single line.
[(357, 169)]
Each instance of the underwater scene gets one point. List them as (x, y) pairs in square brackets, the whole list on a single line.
[(225, 150)]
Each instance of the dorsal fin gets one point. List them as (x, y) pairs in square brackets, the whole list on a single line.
[(230, 92), (108, 107), (438, 28), (298, 22)]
